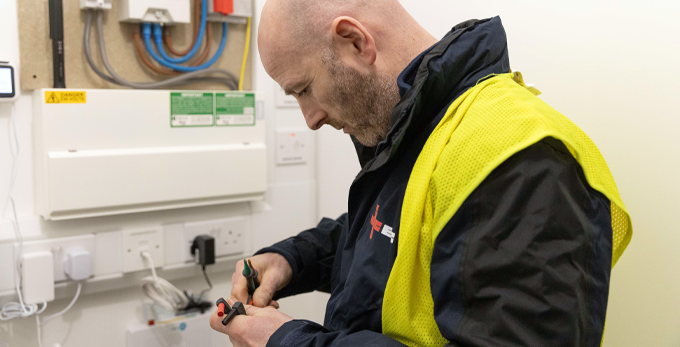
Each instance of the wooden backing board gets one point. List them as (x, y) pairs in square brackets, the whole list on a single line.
[(36, 48)]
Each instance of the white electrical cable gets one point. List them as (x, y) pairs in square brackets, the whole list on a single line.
[(39, 324), (46, 320), (162, 292), (13, 310)]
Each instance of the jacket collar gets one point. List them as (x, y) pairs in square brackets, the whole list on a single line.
[(470, 52)]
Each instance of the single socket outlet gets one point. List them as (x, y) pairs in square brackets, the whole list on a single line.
[(229, 235), (142, 240)]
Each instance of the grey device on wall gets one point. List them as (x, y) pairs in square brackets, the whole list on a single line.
[(8, 85)]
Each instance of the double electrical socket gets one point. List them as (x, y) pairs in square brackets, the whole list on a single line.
[(228, 234)]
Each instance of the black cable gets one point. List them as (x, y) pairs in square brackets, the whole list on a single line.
[(205, 275)]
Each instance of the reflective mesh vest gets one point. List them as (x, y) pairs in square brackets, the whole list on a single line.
[(483, 128)]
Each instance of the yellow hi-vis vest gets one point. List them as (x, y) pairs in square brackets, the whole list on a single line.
[(483, 128)]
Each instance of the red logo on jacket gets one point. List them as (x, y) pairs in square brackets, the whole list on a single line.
[(374, 222)]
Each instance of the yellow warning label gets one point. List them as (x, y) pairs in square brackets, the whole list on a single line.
[(70, 97)]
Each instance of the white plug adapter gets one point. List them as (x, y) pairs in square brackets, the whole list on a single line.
[(77, 265), (37, 275)]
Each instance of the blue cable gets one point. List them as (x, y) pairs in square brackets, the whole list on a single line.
[(146, 32), (197, 45)]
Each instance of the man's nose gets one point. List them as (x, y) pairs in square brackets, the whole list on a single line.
[(315, 120)]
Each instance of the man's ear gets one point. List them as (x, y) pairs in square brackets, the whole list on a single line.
[(350, 37)]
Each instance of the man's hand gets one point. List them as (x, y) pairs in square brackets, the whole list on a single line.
[(253, 330), (274, 273)]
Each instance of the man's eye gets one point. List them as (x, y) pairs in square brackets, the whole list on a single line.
[(304, 92)]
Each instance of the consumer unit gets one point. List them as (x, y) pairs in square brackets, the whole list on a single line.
[(104, 152)]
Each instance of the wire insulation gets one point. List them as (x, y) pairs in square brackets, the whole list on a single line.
[(229, 80), (197, 22), (46, 320), (12, 310), (146, 33), (207, 280), (197, 44), (245, 56), (162, 292)]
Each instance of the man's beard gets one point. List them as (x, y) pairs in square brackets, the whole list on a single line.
[(364, 102)]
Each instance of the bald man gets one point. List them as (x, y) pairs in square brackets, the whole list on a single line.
[(471, 223)]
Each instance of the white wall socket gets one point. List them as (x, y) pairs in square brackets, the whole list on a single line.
[(229, 235), (60, 248), (138, 240)]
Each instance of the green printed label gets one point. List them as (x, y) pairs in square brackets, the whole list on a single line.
[(195, 109), (233, 109)]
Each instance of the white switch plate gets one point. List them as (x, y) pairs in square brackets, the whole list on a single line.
[(173, 237), (108, 258), (138, 240), (292, 146), (229, 235), (7, 269), (59, 248)]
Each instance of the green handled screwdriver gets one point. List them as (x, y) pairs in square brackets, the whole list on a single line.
[(250, 274)]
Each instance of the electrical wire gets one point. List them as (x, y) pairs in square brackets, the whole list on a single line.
[(143, 56), (46, 320), (197, 44), (39, 324), (12, 310), (120, 80), (197, 22), (146, 33), (162, 292), (245, 56), (229, 80), (210, 286)]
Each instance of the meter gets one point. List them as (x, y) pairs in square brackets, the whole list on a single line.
[(8, 85)]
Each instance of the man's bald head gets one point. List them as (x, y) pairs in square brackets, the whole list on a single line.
[(340, 59), (307, 22)]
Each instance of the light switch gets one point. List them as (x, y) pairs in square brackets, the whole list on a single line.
[(292, 147)]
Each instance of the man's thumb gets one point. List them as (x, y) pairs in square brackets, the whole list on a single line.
[(264, 294)]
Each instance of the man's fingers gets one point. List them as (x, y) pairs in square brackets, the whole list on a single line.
[(216, 323), (274, 304), (232, 300), (239, 287), (252, 310)]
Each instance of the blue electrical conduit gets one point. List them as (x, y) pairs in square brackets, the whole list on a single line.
[(146, 32), (197, 45)]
